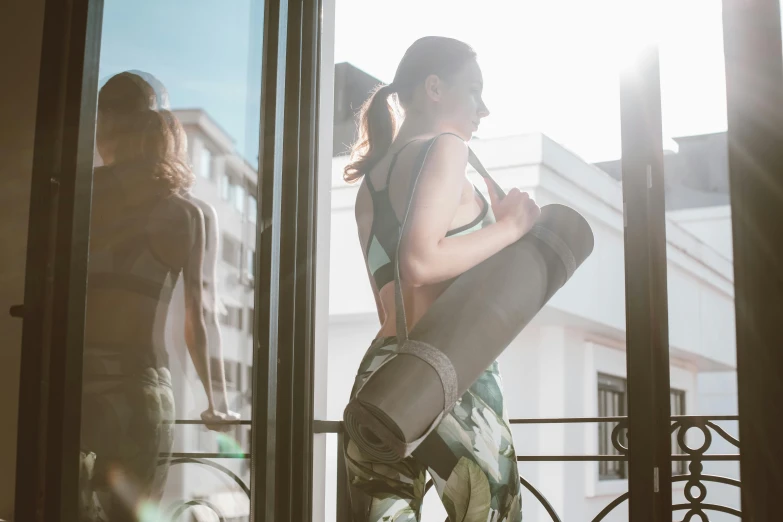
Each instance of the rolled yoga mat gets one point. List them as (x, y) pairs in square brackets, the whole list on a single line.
[(462, 334)]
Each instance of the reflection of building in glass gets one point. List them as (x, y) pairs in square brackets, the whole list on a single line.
[(226, 183)]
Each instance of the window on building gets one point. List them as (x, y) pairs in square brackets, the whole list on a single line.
[(225, 187), (232, 317), (230, 371), (239, 374), (678, 408), (250, 263), (252, 205), (205, 164), (232, 251), (238, 194), (250, 325), (612, 400)]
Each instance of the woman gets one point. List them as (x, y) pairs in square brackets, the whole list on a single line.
[(143, 234), (451, 228)]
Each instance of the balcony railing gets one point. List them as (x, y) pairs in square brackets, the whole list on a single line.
[(695, 490), (681, 424), (206, 459)]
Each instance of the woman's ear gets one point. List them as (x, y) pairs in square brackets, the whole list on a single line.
[(433, 87)]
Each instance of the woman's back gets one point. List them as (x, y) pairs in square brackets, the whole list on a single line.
[(140, 240), (380, 206)]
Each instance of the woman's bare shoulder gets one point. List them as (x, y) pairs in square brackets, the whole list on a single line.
[(185, 207)]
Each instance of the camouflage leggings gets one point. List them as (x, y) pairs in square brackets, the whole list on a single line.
[(470, 458), (126, 423)]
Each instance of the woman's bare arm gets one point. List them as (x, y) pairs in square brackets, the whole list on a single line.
[(195, 327), (211, 311), (427, 256)]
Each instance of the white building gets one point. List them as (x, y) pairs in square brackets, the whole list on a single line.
[(575, 348)]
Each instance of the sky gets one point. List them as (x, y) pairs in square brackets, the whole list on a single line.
[(553, 66), (549, 66), (200, 50)]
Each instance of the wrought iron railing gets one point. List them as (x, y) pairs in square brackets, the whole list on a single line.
[(207, 459), (696, 457), (695, 479)]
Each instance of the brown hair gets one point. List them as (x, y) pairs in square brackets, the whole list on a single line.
[(131, 118), (379, 116)]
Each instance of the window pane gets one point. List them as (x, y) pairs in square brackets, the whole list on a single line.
[(252, 208), (205, 164), (250, 263), (611, 403), (231, 250), (198, 66), (225, 187), (678, 408), (554, 114), (699, 228), (239, 198)]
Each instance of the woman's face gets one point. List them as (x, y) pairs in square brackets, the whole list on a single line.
[(460, 106)]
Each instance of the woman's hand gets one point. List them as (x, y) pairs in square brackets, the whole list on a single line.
[(517, 209), (229, 415), (215, 420)]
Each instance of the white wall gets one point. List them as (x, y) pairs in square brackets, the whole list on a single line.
[(711, 224)]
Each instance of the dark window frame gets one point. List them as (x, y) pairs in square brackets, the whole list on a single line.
[(611, 387), (618, 470), (678, 407)]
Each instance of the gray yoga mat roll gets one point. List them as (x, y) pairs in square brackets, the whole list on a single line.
[(462, 334)]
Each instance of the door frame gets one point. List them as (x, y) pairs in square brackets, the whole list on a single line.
[(47, 472), (754, 92), (646, 301), (47, 476), (282, 467)]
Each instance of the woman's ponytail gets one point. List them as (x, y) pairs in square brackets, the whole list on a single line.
[(378, 119), (380, 116), (163, 142)]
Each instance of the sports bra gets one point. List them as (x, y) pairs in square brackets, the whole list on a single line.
[(128, 223), (385, 229)]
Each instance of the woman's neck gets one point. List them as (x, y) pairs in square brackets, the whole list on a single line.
[(416, 125)]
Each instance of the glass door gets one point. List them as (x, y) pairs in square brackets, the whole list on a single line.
[(168, 268)]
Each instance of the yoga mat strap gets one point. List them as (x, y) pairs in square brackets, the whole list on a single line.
[(390, 447), (440, 363), (476, 164)]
